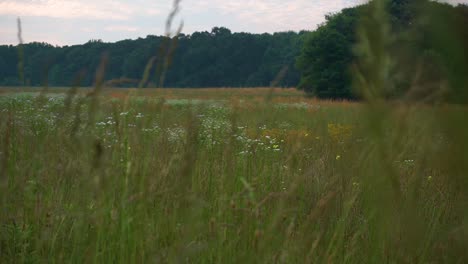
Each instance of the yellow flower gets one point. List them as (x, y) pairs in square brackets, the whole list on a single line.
[(339, 132)]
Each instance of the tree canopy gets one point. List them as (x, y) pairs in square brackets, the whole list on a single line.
[(218, 58), (426, 39), (426, 46)]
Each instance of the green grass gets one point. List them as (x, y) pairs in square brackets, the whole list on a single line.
[(216, 177)]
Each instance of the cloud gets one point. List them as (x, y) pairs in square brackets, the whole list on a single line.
[(121, 28), (10, 36), (153, 11), (113, 20), (276, 15), (76, 9), (454, 2)]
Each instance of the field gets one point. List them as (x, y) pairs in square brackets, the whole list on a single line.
[(229, 176)]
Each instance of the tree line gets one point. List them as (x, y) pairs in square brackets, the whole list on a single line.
[(426, 46), (218, 58), (426, 43)]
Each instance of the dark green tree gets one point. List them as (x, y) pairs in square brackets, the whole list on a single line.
[(327, 55), (219, 58), (425, 39)]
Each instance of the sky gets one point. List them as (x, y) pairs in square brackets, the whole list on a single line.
[(68, 22)]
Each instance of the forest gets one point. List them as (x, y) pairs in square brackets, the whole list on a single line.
[(418, 52), (218, 58), (320, 62)]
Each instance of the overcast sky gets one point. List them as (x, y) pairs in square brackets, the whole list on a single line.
[(65, 22)]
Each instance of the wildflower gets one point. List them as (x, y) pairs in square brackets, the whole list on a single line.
[(339, 132), (275, 146), (338, 157)]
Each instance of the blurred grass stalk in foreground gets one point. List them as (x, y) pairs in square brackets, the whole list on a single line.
[(395, 206)]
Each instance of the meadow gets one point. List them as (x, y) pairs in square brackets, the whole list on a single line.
[(229, 176)]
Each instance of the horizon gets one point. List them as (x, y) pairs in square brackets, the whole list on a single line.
[(52, 21), (156, 35), (73, 22)]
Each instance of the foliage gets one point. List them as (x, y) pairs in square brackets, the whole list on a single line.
[(417, 27), (327, 55), (203, 59)]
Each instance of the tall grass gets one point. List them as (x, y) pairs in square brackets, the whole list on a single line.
[(114, 177)]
